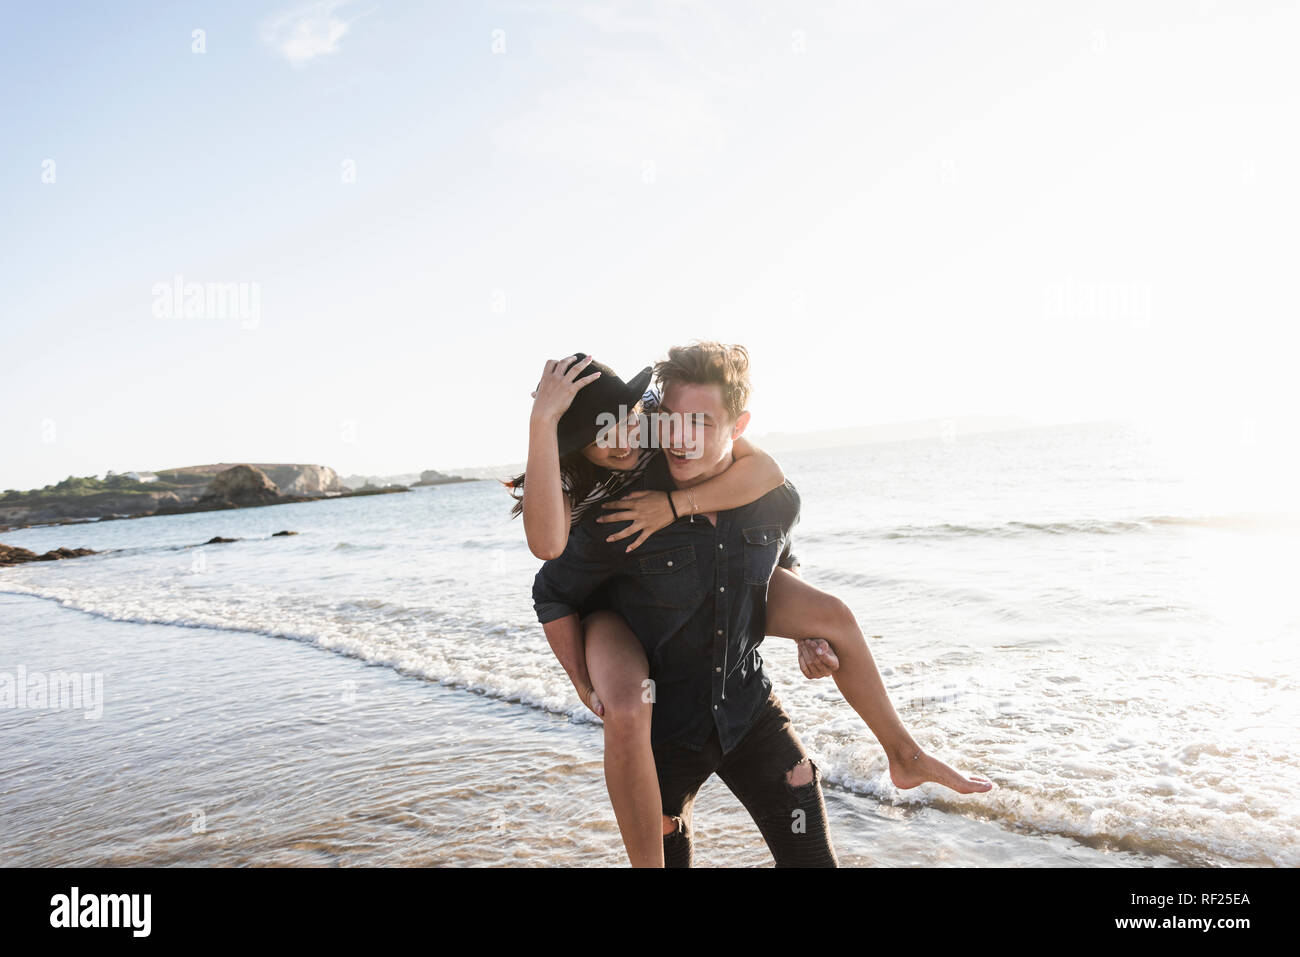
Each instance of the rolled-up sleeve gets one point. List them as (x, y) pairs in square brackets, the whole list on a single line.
[(788, 558), (564, 583)]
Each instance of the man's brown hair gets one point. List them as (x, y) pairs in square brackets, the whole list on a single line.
[(710, 363)]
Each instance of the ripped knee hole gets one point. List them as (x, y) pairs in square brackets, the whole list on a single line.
[(801, 775)]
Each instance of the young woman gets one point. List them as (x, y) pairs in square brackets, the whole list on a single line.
[(567, 475)]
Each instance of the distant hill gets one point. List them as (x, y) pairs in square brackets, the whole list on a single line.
[(480, 472), (433, 477), (379, 481), (427, 477)]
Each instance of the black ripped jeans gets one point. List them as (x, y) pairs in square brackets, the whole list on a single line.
[(792, 818)]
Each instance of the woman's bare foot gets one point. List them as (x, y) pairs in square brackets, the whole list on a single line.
[(917, 769)]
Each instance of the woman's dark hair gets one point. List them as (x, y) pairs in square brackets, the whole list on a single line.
[(578, 477)]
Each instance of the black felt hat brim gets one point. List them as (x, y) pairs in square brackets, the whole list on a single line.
[(578, 427)]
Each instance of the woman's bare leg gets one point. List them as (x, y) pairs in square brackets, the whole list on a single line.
[(797, 610), (618, 668)]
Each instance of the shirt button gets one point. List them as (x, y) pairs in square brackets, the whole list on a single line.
[(719, 546), (717, 669), (715, 707), (723, 588), (719, 631), (670, 564)]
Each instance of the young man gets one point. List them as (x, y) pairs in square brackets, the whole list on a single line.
[(698, 603)]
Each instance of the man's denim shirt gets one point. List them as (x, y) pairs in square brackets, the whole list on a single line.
[(696, 597)]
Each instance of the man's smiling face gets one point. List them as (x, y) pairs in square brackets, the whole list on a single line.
[(696, 432)]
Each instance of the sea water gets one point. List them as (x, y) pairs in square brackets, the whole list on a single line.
[(1071, 612)]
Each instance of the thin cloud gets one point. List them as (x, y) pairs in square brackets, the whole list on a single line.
[(304, 33)]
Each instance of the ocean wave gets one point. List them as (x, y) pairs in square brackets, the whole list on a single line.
[(1166, 816), (1190, 819), (949, 530), (837, 575), (487, 656)]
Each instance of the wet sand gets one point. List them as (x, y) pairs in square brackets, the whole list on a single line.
[(226, 748)]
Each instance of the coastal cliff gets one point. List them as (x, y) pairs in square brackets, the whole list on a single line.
[(192, 488), (289, 479)]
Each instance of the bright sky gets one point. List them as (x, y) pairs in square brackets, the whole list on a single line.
[(905, 210)]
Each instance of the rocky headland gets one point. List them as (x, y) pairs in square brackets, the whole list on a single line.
[(193, 488), (431, 477)]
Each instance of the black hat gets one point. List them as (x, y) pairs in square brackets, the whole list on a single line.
[(580, 425)]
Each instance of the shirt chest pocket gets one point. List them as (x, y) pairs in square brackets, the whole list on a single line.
[(762, 549), (670, 578)]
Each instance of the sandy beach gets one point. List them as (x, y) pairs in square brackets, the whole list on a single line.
[(223, 748)]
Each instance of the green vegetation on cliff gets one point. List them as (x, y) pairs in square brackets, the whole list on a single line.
[(80, 486)]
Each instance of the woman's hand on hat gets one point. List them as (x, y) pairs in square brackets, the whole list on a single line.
[(647, 511), (558, 385)]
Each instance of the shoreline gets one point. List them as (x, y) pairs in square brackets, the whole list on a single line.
[(295, 756)]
